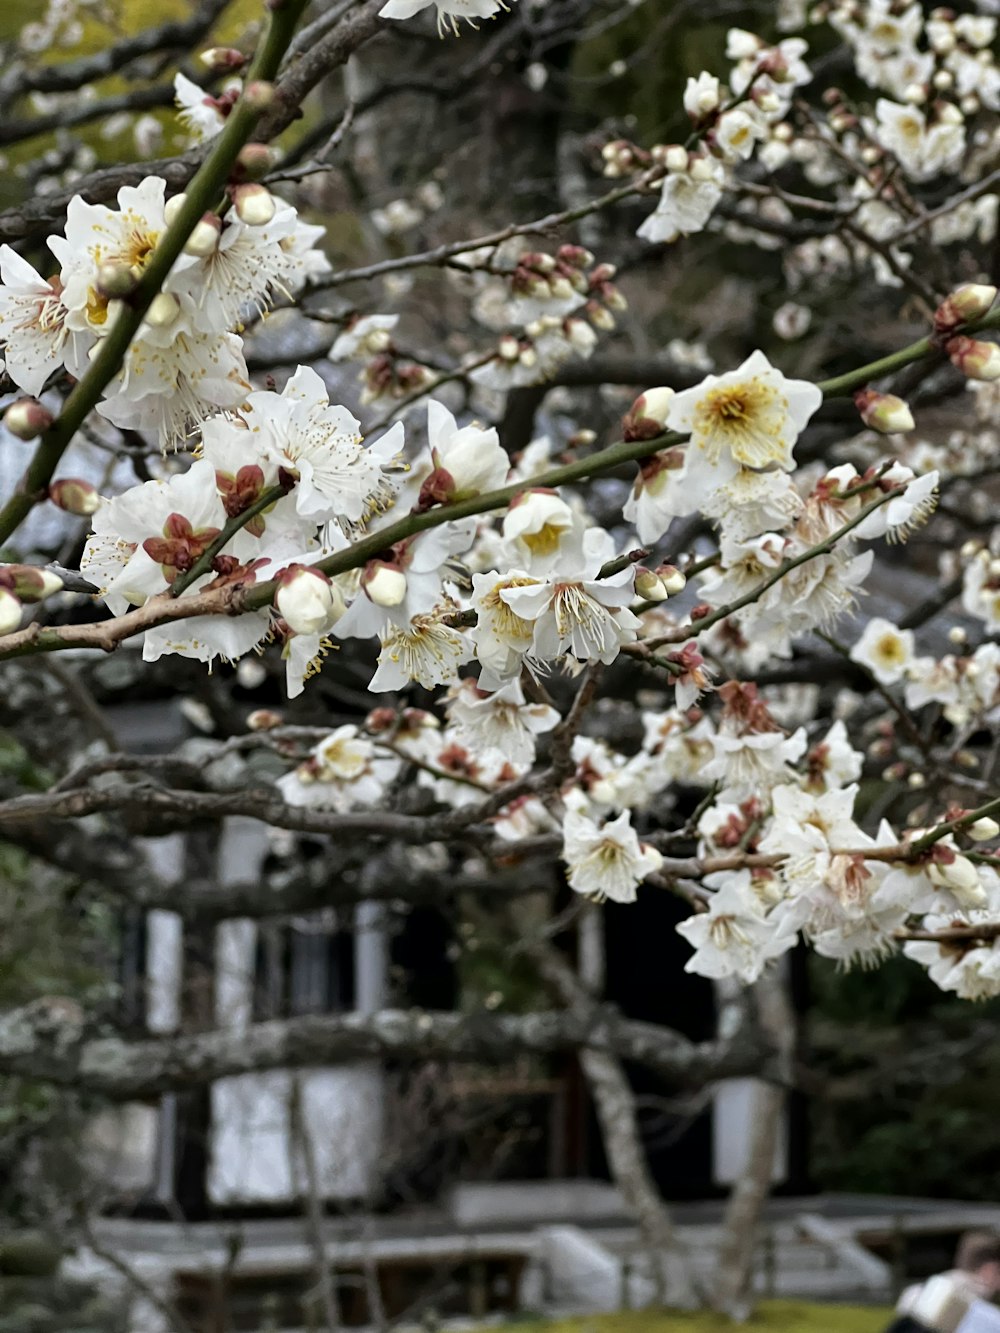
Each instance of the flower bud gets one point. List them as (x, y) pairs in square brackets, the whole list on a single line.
[(650, 586), (964, 305), (163, 310), (700, 169), (75, 496), (264, 719), (672, 578), (576, 255), (384, 584), (29, 583), (254, 204), (10, 612), (600, 316), (259, 94), (561, 288), (983, 830), (508, 348), (117, 282), (27, 418), (204, 239), (172, 207), (976, 360), (306, 600), (254, 160), (647, 417), (219, 59), (883, 412), (960, 876)]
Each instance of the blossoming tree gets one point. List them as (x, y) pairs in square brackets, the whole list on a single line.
[(697, 571)]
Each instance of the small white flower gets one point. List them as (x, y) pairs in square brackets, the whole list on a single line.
[(606, 860), (32, 323), (468, 461), (885, 650), (502, 637), (750, 417), (364, 337), (736, 134), (428, 651), (540, 528), (687, 201), (344, 771), (924, 151), (735, 938), (908, 508), (448, 11), (701, 95), (576, 612), (499, 723), (197, 110)]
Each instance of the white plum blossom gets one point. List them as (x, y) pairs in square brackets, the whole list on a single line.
[(687, 201), (465, 461), (364, 336), (499, 722), (606, 860), (924, 150), (317, 443), (749, 417), (574, 610), (32, 323), (448, 11), (428, 651), (344, 771), (198, 111), (735, 937), (885, 650)]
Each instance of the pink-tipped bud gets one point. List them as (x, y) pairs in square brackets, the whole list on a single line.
[(575, 255), (75, 496), (384, 584), (671, 578), (204, 239), (10, 612), (116, 281), (649, 586), (964, 305), (254, 204), (977, 360), (264, 719), (254, 160), (883, 412), (600, 316), (259, 94), (27, 418), (647, 417), (306, 600), (219, 59), (29, 583)]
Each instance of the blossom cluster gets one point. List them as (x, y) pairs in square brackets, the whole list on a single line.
[(485, 579), (187, 359)]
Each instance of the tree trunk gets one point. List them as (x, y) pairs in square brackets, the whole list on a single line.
[(614, 1102), (732, 1290)]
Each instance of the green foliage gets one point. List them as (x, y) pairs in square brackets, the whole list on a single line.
[(778, 1316), (923, 1118)]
